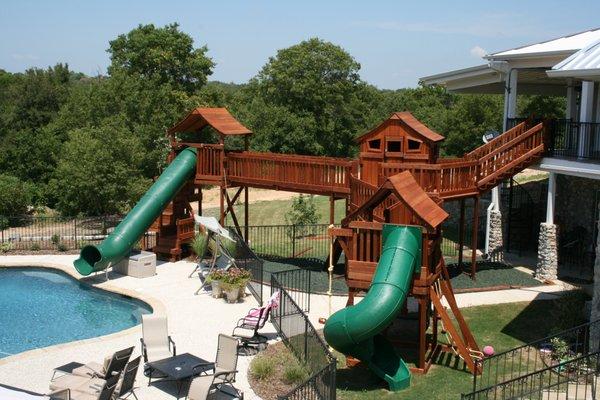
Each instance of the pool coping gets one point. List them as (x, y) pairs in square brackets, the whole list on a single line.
[(157, 306)]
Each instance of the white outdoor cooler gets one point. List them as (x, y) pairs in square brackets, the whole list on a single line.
[(139, 264)]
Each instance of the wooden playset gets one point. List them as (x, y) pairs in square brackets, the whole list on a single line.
[(398, 178)]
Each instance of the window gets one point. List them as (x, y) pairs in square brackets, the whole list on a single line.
[(394, 146), (375, 144), (414, 145)]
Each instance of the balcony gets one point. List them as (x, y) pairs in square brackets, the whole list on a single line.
[(569, 139)]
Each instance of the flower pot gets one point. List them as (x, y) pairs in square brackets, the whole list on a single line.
[(217, 291), (232, 295), (242, 292)]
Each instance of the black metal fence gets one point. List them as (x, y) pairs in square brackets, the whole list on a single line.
[(573, 379), (33, 233), (568, 138), (301, 337), (247, 259), (527, 360)]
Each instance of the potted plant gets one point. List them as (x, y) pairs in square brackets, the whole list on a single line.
[(215, 278), (233, 280)]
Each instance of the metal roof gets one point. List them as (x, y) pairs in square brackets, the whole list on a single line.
[(584, 63), (562, 45)]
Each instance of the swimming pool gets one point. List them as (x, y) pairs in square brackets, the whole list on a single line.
[(41, 307)]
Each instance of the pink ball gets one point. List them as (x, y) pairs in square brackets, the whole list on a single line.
[(488, 351)]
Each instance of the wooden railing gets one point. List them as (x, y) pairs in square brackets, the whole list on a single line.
[(501, 162), (495, 143), (447, 179), (209, 162), (361, 192), (185, 228), (482, 168), (318, 175)]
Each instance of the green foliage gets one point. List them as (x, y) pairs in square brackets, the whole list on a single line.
[(62, 247), (294, 374), (560, 349), (262, 367), (312, 90), (15, 196), (199, 244), (5, 247), (164, 55), (99, 172), (302, 211), (35, 246), (542, 106), (55, 239)]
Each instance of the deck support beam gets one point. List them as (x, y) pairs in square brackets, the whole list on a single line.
[(246, 214), (331, 209), (461, 233), (474, 237)]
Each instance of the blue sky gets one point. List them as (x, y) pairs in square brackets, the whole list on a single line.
[(396, 42)]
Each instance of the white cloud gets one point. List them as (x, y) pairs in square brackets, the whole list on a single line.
[(478, 52), (489, 25), (20, 57)]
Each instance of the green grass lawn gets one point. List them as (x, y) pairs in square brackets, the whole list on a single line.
[(503, 326), (273, 212)]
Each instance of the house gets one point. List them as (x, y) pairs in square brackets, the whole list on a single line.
[(567, 66)]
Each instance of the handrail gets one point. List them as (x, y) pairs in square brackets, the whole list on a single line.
[(489, 146)]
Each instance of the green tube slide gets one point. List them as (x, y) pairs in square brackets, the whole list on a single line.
[(356, 330), (118, 244)]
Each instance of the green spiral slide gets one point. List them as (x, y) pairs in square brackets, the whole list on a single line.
[(356, 330), (118, 244)]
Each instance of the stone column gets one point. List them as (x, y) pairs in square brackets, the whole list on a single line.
[(547, 264), (495, 239)]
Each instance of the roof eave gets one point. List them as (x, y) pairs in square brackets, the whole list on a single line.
[(546, 54), (574, 73)]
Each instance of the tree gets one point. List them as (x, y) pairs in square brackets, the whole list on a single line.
[(99, 172), (543, 106), (164, 55), (14, 196), (303, 212), (317, 85)]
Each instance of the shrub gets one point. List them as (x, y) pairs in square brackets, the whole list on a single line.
[(294, 374), (15, 195), (302, 212), (35, 247), (5, 247), (62, 247), (199, 244), (262, 367), (55, 239)]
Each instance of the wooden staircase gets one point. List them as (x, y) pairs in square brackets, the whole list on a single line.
[(174, 227)]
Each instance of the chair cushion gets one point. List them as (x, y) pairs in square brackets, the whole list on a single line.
[(68, 381), (92, 368), (92, 386)]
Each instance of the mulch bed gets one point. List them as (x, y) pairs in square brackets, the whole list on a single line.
[(272, 386)]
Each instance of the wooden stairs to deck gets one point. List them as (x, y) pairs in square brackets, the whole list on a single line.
[(475, 173)]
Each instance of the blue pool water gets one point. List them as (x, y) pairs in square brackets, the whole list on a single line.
[(41, 307)]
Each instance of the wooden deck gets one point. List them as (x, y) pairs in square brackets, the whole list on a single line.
[(293, 173)]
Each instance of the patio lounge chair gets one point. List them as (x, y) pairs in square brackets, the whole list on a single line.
[(93, 374), (95, 391), (156, 342), (125, 387), (204, 387), (227, 357), (13, 393), (115, 363), (83, 388), (254, 321)]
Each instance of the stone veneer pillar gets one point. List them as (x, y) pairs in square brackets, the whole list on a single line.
[(495, 240), (547, 265)]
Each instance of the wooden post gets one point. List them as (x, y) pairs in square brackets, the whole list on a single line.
[(246, 214), (331, 209), (222, 205), (200, 200), (422, 332), (461, 233), (474, 236)]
